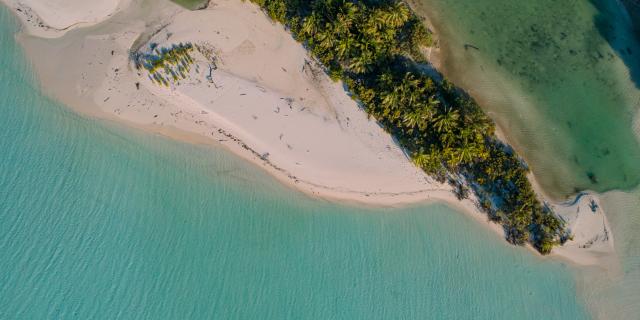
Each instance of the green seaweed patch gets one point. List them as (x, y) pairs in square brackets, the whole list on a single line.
[(193, 4)]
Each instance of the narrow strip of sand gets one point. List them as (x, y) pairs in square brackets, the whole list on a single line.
[(250, 87)]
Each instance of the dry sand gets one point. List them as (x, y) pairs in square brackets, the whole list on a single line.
[(53, 18), (592, 237), (267, 101)]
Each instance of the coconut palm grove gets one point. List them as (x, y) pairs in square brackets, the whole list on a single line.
[(376, 48)]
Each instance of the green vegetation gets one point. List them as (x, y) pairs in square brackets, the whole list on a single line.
[(165, 64), (374, 46), (192, 4)]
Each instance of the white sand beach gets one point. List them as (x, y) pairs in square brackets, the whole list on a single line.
[(53, 18), (592, 242), (253, 89)]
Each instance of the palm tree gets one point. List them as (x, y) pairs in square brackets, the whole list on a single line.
[(430, 162), (410, 89), (447, 121), (344, 48), (310, 25), (385, 81), (391, 99), (433, 102), (361, 63), (419, 117), (376, 22), (327, 40), (467, 152), (348, 13), (397, 15), (426, 113), (448, 138), (350, 9), (412, 120)]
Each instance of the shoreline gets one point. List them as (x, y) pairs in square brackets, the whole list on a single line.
[(45, 19), (213, 128), (217, 133), (571, 251)]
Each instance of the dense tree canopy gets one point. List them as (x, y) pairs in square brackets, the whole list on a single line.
[(374, 46)]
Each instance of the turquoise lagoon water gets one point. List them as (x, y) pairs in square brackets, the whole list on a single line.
[(563, 79), (100, 222)]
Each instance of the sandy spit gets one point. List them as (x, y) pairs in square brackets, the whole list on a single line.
[(252, 89)]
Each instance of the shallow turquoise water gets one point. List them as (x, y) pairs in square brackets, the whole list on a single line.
[(563, 79), (100, 222)]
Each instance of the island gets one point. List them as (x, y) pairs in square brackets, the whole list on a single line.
[(336, 98)]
